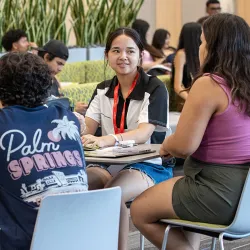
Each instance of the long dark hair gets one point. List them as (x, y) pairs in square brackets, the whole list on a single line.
[(189, 40), (142, 27), (124, 31), (159, 39), (228, 55)]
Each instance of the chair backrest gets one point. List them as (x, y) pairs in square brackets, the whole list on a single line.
[(78, 221), (241, 222)]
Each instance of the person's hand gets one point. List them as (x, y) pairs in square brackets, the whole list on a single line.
[(82, 121), (101, 141), (160, 60), (164, 153), (33, 45), (81, 107)]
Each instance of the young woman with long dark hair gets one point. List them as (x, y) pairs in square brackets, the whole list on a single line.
[(186, 61), (212, 135), (150, 56), (161, 40), (131, 106)]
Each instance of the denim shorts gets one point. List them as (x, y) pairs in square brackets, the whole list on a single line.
[(157, 173)]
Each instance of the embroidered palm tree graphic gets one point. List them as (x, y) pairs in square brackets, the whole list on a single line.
[(66, 128), (63, 129)]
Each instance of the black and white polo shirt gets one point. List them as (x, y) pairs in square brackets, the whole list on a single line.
[(147, 103)]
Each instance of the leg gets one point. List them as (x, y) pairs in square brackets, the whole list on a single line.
[(97, 177), (126, 180), (155, 204)]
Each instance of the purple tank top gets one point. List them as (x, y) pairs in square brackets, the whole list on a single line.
[(227, 137)]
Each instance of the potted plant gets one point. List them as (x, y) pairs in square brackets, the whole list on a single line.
[(42, 20), (95, 19), (90, 21)]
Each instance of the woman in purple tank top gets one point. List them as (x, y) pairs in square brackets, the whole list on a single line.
[(213, 137)]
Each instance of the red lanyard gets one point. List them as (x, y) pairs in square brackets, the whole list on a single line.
[(116, 100)]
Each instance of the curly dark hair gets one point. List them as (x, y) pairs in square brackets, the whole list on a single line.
[(11, 37), (228, 55), (25, 80)]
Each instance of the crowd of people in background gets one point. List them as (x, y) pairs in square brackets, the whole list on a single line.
[(213, 88)]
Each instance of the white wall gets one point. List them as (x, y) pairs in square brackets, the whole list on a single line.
[(147, 13), (192, 10), (228, 6), (186, 10)]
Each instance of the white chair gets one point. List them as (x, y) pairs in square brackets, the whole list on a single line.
[(173, 120), (79, 221), (239, 228)]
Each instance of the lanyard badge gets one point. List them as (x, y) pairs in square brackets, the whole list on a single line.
[(116, 100)]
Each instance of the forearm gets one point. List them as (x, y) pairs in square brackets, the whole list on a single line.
[(91, 126), (134, 135), (87, 131), (181, 91), (139, 135), (169, 145)]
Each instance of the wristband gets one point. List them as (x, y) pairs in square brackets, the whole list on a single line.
[(116, 139)]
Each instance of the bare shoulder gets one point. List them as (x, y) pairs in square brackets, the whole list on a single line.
[(207, 92), (206, 82)]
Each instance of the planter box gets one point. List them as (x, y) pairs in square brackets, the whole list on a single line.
[(77, 55), (83, 54), (95, 53)]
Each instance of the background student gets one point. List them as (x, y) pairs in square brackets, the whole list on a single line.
[(16, 40), (55, 54), (186, 61)]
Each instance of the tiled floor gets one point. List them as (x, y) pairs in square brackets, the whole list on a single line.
[(134, 242)]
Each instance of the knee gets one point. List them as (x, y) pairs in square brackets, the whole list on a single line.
[(97, 177), (136, 213)]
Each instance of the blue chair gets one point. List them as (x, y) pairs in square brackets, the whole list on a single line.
[(78, 221), (239, 228)]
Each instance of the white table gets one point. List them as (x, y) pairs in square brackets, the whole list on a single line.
[(124, 160)]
